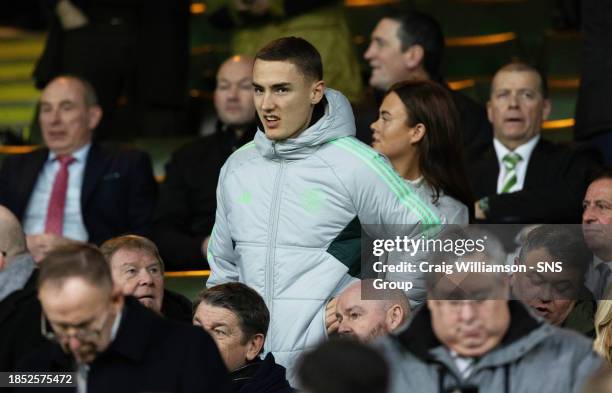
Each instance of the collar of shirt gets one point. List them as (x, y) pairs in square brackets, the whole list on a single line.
[(524, 150), (79, 155)]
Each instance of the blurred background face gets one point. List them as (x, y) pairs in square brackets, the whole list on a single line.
[(390, 132), (234, 92), (468, 326), (138, 273), (284, 98), (81, 315), (65, 119), (516, 107), (224, 327), (385, 55), (552, 295), (597, 215), (360, 319)]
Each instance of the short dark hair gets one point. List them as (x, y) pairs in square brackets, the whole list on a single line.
[(418, 28), (130, 242), (76, 260), (296, 51), (245, 302), (603, 173), (522, 66), (563, 243), (331, 368)]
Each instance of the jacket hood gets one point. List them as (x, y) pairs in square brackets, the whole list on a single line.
[(336, 122), (524, 333)]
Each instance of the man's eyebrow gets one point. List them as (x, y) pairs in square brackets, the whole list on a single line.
[(354, 308), (218, 324), (387, 113)]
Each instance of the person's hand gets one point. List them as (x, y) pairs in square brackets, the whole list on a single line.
[(331, 322), (478, 213), (205, 246), (41, 244), (71, 17), (255, 7)]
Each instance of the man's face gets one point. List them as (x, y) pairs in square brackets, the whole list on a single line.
[(385, 55), (81, 315), (138, 273), (65, 119), (597, 216), (552, 295), (284, 98), (391, 135), (469, 326), (224, 327), (234, 92), (360, 319), (516, 107)]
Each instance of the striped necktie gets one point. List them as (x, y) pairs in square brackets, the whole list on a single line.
[(510, 161)]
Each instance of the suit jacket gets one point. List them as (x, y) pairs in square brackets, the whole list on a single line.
[(187, 204), (20, 325), (117, 197), (149, 354), (555, 182)]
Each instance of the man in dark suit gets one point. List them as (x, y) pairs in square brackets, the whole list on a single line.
[(520, 177), (409, 46), (76, 189), (187, 203), (115, 344)]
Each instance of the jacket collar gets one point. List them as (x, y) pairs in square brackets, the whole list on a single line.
[(418, 337), (336, 121)]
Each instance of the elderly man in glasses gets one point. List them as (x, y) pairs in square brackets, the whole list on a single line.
[(114, 343)]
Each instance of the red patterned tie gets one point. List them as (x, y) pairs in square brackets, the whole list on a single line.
[(57, 202)]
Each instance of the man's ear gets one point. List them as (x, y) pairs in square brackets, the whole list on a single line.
[(413, 57), (395, 317), (95, 115), (317, 92), (2, 261), (117, 299), (546, 109), (254, 346)]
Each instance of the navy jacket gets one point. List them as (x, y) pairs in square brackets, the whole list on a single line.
[(117, 197)]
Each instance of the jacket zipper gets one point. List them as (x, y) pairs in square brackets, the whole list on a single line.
[(270, 253)]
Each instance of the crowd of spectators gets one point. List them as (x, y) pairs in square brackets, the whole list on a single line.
[(277, 202)]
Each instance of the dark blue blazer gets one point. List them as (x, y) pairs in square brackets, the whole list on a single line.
[(118, 195)]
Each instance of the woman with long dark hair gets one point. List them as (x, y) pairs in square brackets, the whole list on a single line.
[(418, 130)]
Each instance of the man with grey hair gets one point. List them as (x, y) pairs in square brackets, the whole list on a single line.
[(16, 264), (366, 319), (470, 337)]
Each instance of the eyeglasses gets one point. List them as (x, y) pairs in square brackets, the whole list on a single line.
[(58, 334)]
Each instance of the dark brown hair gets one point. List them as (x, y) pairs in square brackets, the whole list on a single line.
[(441, 158), (296, 51)]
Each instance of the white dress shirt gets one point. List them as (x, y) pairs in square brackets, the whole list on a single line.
[(525, 151), (36, 212)]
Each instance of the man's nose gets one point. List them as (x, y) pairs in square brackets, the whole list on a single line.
[(343, 327), (145, 277), (267, 102), (513, 101), (588, 216), (468, 312)]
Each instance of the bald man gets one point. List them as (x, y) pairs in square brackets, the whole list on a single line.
[(187, 205), (16, 264), (368, 319)]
